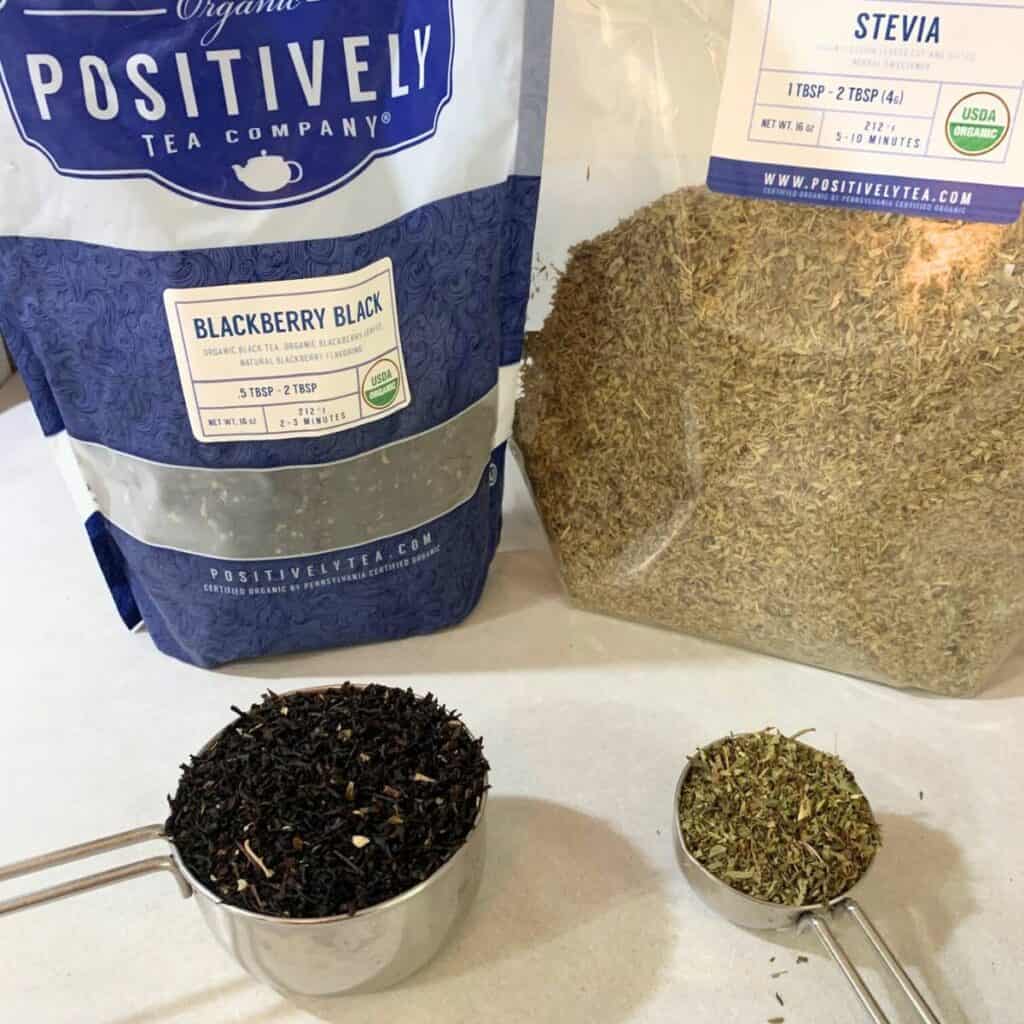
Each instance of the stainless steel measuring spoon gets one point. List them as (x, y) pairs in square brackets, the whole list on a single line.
[(307, 958), (749, 912)]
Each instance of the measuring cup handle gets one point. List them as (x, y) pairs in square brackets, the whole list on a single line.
[(819, 923), (854, 909), (90, 882)]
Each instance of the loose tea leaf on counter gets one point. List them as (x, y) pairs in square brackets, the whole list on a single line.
[(325, 803), (792, 429), (777, 819)]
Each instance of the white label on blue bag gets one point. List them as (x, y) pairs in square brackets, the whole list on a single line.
[(895, 107), (281, 359)]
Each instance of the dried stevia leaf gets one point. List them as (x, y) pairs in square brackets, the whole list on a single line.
[(777, 819), (793, 429)]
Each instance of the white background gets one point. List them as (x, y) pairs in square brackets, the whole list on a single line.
[(631, 116), (583, 917)]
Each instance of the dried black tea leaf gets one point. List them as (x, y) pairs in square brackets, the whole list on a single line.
[(328, 802), (777, 819)]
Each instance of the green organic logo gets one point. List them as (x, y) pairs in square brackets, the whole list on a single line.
[(978, 123), (382, 383)]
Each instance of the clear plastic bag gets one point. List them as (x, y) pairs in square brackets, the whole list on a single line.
[(789, 428)]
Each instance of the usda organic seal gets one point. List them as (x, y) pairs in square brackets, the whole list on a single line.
[(382, 384), (978, 123)]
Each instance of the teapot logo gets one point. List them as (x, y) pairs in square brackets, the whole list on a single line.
[(265, 173), (283, 111)]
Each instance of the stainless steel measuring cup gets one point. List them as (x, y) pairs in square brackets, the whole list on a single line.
[(309, 958), (749, 912)]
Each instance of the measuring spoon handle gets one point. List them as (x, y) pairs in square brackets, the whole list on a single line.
[(889, 959), (819, 923), (97, 881)]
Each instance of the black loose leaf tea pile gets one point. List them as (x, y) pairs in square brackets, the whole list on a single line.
[(325, 803), (777, 819)]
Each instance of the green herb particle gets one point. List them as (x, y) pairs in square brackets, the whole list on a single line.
[(742, 815)]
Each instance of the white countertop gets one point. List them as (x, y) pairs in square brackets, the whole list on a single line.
[(583, 917)]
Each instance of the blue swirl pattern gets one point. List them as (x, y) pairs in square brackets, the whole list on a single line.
[(208, 628), (86, 323), (86, 326)]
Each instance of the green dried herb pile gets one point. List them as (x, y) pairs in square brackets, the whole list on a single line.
[(777, 819), (794, 429)]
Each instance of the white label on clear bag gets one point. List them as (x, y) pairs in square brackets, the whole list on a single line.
[(895, 107), (280, 359)]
